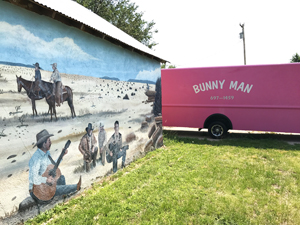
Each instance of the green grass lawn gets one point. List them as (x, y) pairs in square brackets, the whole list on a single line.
[(232, 181)]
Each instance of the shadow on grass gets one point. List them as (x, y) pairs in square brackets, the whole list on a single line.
[(246, 140)]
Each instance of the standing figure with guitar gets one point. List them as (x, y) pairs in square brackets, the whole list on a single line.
[(102, 143), (45, 179)]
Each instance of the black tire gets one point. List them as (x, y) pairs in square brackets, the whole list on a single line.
[(217, 130)]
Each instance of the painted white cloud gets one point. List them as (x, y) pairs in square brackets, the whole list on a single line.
[(18, 37), (148, 75)]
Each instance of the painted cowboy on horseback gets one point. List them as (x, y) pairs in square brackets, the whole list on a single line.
[(57, 85), (38, 84)]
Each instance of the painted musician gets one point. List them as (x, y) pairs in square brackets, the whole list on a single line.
[(38, 165), (57, 85), (88, 148), (116, 150), (102, 143)]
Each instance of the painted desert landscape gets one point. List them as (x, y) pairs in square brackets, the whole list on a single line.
[(95, 100)]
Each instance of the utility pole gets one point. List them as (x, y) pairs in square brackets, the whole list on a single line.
[(242, 35)]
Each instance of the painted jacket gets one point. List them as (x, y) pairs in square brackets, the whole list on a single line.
[(86, 148), (37, 166), (115, 143), (37, 75), (101, 138), (55, 76)]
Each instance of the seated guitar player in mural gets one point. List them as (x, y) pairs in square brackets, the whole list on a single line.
[(45, 179), (116, 150), (38, 84), (57, 85), (88, 148)]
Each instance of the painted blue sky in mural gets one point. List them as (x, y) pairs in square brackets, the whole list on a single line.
[(46, 41)]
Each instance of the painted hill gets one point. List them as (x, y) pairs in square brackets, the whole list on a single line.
[(141, 81), (110, 78), (16, 64)]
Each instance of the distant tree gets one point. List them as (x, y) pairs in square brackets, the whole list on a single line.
[(124, 15), (157, 102), (164, 66), (295, 58)]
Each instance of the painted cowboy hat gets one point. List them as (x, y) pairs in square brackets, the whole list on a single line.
[(54, 64), (37, 65), (42, 137), (89, 127)]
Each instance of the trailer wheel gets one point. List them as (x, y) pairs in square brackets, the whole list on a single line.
[(217, 130)]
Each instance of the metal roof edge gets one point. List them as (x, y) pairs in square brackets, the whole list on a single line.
[(86, 20)]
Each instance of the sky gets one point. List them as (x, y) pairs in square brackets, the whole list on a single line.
[(47, 41), (198, 33)]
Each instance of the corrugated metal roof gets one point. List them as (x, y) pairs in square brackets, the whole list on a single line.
[(79, 13)]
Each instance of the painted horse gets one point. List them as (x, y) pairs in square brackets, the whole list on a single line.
[(50, 99)]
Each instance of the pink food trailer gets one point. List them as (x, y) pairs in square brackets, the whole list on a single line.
[(256, 98)]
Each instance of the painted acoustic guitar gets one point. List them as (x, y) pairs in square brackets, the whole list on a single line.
[(46, 191)]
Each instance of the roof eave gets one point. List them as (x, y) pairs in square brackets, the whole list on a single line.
[(41, 9)]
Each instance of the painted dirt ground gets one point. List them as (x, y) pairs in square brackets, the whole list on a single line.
[(95, 100)]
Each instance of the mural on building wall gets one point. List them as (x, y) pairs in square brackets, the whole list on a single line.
[(70, 111)]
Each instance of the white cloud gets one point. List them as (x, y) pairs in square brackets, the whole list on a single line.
[(18, 37), (148, 75)]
